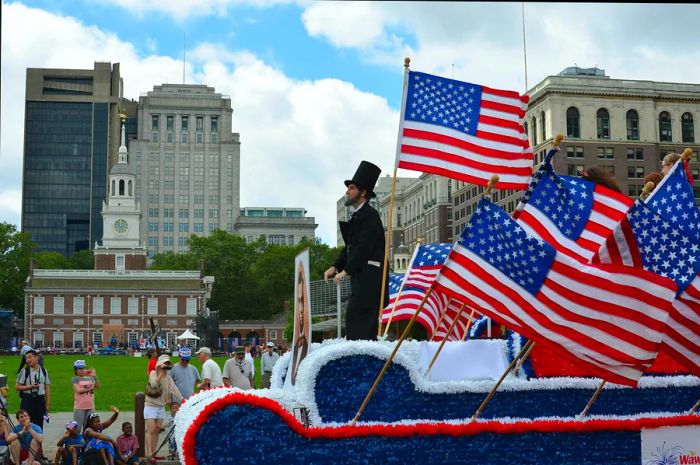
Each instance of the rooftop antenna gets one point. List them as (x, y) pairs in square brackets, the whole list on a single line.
[(522, 5), (183, 56), (453, 70)]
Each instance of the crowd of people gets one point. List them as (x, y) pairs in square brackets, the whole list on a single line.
[(84, 440)]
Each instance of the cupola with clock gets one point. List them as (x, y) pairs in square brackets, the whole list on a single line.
[(121, 248)]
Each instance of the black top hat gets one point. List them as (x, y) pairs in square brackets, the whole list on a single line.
[(365, 177)]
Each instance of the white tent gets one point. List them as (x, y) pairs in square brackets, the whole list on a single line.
[(187, 335)]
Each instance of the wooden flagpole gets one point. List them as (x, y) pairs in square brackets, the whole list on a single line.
[(521, 354), (469, 325), (442, 344), (391, 357), (389, 220), (403, 283), (593, 399), (695, 408)]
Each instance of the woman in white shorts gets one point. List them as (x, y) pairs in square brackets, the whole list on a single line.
[(161, 390)]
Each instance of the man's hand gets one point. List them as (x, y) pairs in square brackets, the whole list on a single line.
[(114, 409), (329, 273), (340, 276)]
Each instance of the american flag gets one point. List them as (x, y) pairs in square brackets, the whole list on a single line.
[(426, 264), (663, 236), (610, 319), (572, 214), (465, 131), (409, 300)]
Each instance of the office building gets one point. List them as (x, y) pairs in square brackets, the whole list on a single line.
[(187, 164), (71, 125), (282, 226)]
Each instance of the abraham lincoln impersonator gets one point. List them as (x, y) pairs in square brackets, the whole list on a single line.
[(362, 257)]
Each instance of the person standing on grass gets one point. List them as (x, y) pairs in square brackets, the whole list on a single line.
[(34, 387), (269, 358), (211, 372), (184, 374), (248, 356), (161, 390), (84, 384)]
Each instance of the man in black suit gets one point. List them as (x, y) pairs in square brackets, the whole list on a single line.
[(362, 257)]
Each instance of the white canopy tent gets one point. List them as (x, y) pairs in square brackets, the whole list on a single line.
[(187, 335)]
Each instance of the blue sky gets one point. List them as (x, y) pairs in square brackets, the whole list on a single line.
[(316, 86)]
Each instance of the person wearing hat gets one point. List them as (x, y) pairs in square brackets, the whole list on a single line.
[(211, 373), (70, 445), (84, 384), (238, 371), (161, 391), (184, 374), (267, 363), (362, 257)]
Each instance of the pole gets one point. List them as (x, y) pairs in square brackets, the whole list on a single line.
[(442, 344), (695, 408), (389, 219), (403, 283), (522, 4), (483, 405), (391, 357), (338, 311), (593, 399), (469, 324)]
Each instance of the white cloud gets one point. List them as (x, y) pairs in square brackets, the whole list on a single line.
[(181, 10), (299, 139), (362, 23)]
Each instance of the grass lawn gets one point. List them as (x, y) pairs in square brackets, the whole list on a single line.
[(121, 376)]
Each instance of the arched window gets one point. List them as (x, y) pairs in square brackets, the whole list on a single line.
[(534, 131), (114, 187), (665, 133), (403, 264), (632, 125), (603, 123), (573, 129), (687, 129), (543, 129), (527, 133), (121, 187), (131, 188)]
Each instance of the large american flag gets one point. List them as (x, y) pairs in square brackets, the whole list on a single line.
[(572, 214), (663, 236), (610, 319), (465, 131), (426, 264)]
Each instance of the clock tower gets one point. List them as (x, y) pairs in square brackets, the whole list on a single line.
[(121, 248)]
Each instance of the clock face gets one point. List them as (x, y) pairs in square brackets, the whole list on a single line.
[(120, 226)]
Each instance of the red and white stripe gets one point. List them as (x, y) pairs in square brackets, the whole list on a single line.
[(609, 208), (620, 248), (682, 339), (460, 327), (408, 302), (422, 277), (500, 145), (610, 319)]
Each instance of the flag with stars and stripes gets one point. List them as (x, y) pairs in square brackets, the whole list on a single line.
[(426, 264), (574, 215), (464, 131), (430, 316), (610, 319), (662, 235)]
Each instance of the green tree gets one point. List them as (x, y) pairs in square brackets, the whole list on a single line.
[(15, 251), (47, 260), (174, 261), (82, 260)]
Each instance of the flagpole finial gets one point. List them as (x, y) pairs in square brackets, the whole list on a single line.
[(491, 184), (647, 189), (686, 154), (406, 62), (557, 140)]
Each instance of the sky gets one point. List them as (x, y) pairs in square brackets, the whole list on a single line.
[(316, 86)]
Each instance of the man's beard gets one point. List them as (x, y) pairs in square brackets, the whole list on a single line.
[(350, 201)]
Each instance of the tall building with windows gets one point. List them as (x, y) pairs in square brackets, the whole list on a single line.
[(624, 126), (187, 163), (71, 125), (282, 226)]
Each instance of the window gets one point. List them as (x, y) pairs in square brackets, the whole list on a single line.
[(155, 122), (184, 198), (184, 157), (534, 131), (120, 263), (215, 226), (97, 338), (152, 227), (184, 227), (169, 123), (115, 306), (168, 213), (199, 213), (665, 132), (199, 124), (169, 171), (191, 307), (78, 340), (632, 125), (574, 152), (633, 190), (172, 306), (609, 168), (635, 153), (133, 339), (182, 241), (184, 171), (152, 306), (184, 138), (184, 123), (603, 123), (199, 227), (58, 305), (168, 227), (133, 306), (572, 123), (687, 129), (198, 199), (98, 305), (78, 305), (198, 171), (154, 137), (58, 339), (38, 338), (168, 198), (38, 305), (543, 132), (184, 213), (273, 334), (574, 170), (635, 172), (605, 153), (214, 129), (153, 213), (153, 198), (213, 213)]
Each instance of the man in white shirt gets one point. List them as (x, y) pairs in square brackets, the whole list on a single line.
[(211, 373), (267, 362), (248, 356)]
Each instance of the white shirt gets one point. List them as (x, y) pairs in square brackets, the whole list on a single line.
[(212, 372), (252, 363)]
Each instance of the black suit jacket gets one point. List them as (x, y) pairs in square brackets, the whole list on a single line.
[(364, 241)]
